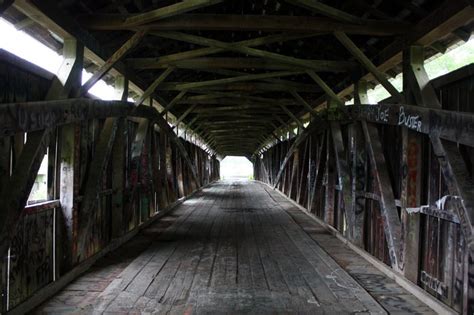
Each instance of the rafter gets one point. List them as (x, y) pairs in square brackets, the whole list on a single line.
[(235, 63), (241, 87), (292, 116), (321, 8), (199, 40), (265, 23), (117, 56), (303, 102), (151, 89), (324, 87), (250, 77), (166, 12), (174, 101), (201, 52), (368, 64)]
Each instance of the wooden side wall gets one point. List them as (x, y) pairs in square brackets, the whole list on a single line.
[(45, 244), (433, 251)]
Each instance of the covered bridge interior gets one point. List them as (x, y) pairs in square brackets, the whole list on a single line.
[(355, 206)]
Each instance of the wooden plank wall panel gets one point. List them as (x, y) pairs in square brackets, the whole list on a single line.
[(31, 262), (443, 270), (16, 85), (148, 187)]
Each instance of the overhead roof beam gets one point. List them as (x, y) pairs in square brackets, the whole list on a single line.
[(238, 96), (368, 64), (199, 40), (303, 102), (250, 77), (321, 8), (287, 83), (201, 52), (151, 89), (173, 102), (241, 86), (117, 56), (166, 12), (325, 87), (248, 103), (292, 116), (266, 23), (235, 63), (184, 115)]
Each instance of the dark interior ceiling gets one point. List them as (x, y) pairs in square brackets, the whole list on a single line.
[(236, 117)]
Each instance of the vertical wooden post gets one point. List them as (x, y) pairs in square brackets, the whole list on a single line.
[(329, 182), (70, 74), (118, 163), (411, 172), (358, 159)]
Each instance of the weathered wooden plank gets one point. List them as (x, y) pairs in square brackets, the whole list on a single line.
[(324, 86), (184, 115), (292, 116), (367, 63), (173, 102), (199, 40), (303, 102), (315, 124), (22, 180), (94, 181), (201, 52), (29, 161), (268, 23), (327, 10), (34, 116), (343, 178), (244, 87), (454, 173), (249, 77), (329, 183), (453, 126), (109, 64), (151, 89), (391, 221), (168, 11), (207, 63)]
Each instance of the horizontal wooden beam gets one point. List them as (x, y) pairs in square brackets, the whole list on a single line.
[(250, 77), (238, 97), (324, 9), (454, 126), (265, 23), (235, 63), (199, 40), (168, 11), (242, 87), (447, 17), (201, 52), (225, 104), (32, 116)]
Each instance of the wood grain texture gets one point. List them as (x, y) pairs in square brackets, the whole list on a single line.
[(236, 247)]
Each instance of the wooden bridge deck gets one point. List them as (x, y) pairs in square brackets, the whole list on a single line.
[(236, 247)]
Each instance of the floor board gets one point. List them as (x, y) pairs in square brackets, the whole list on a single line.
[(237, 247)]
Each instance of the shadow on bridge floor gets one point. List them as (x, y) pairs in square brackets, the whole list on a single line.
[(236, 247)]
